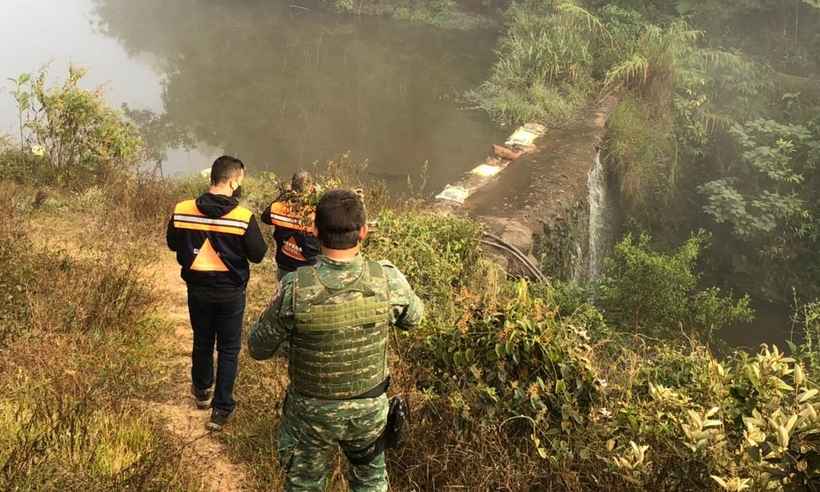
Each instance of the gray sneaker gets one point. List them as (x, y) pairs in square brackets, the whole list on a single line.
[(202, 397), (219, 418)]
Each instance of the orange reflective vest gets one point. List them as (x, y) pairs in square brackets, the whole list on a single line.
[(214, 251), (295, 244)]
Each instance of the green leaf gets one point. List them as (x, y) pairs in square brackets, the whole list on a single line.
[(807, 395), (781, 384), (721, 482)]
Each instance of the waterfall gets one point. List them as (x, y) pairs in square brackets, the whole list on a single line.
[(599, 217), (578, 272)]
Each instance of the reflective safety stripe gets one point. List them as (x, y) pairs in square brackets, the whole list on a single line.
[(188, 207), (281, 216), (207, 227), (208, 220), (188, 216), (284, 218), (290, 225)]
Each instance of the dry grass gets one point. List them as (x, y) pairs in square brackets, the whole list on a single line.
[(80, 348)]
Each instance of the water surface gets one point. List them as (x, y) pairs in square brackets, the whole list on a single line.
[(279, 85)]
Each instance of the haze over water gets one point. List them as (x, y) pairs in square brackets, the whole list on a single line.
[(279, 85)]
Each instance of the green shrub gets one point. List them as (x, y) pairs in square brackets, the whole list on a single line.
[(439, 255), (775, 160), (767, 204), (807, 318), (642, 288), (640, 147), (519, 358), (606, 411), (657, 293), (525, 386), (716, 410), (81, 137)]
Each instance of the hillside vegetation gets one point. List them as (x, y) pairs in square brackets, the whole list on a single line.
[(717, 125), (514, 385)]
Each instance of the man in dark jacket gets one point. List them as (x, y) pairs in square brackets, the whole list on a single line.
[(292, 219), (214, 238)]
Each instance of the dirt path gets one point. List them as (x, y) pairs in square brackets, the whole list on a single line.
[(204, 453)]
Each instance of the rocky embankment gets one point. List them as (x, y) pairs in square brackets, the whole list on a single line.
[(546, 193)]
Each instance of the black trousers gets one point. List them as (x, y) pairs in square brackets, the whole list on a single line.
[(217, 322)]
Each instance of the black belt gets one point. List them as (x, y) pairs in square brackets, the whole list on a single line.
[(374, 392)]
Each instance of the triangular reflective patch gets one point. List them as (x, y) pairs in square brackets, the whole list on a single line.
[(292, 249), (208, 260)]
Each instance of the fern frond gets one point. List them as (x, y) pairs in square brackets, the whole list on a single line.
[(576, 12), (633, 69)]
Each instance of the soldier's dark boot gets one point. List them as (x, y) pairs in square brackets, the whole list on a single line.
[(202, 397), (219, 418)]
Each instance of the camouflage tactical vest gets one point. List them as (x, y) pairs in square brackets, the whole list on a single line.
[(339, 344)]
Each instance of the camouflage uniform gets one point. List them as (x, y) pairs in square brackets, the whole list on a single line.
[(313, 428)]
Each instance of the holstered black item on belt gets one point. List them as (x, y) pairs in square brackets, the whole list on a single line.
[(396, 416), (390, 437)]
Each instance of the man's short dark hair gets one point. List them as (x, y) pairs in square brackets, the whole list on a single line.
[(225, 168), (301, 181), (339, 217)]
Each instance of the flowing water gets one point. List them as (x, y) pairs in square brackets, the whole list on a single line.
[(602, 221), (596, 188), (278, 84)]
